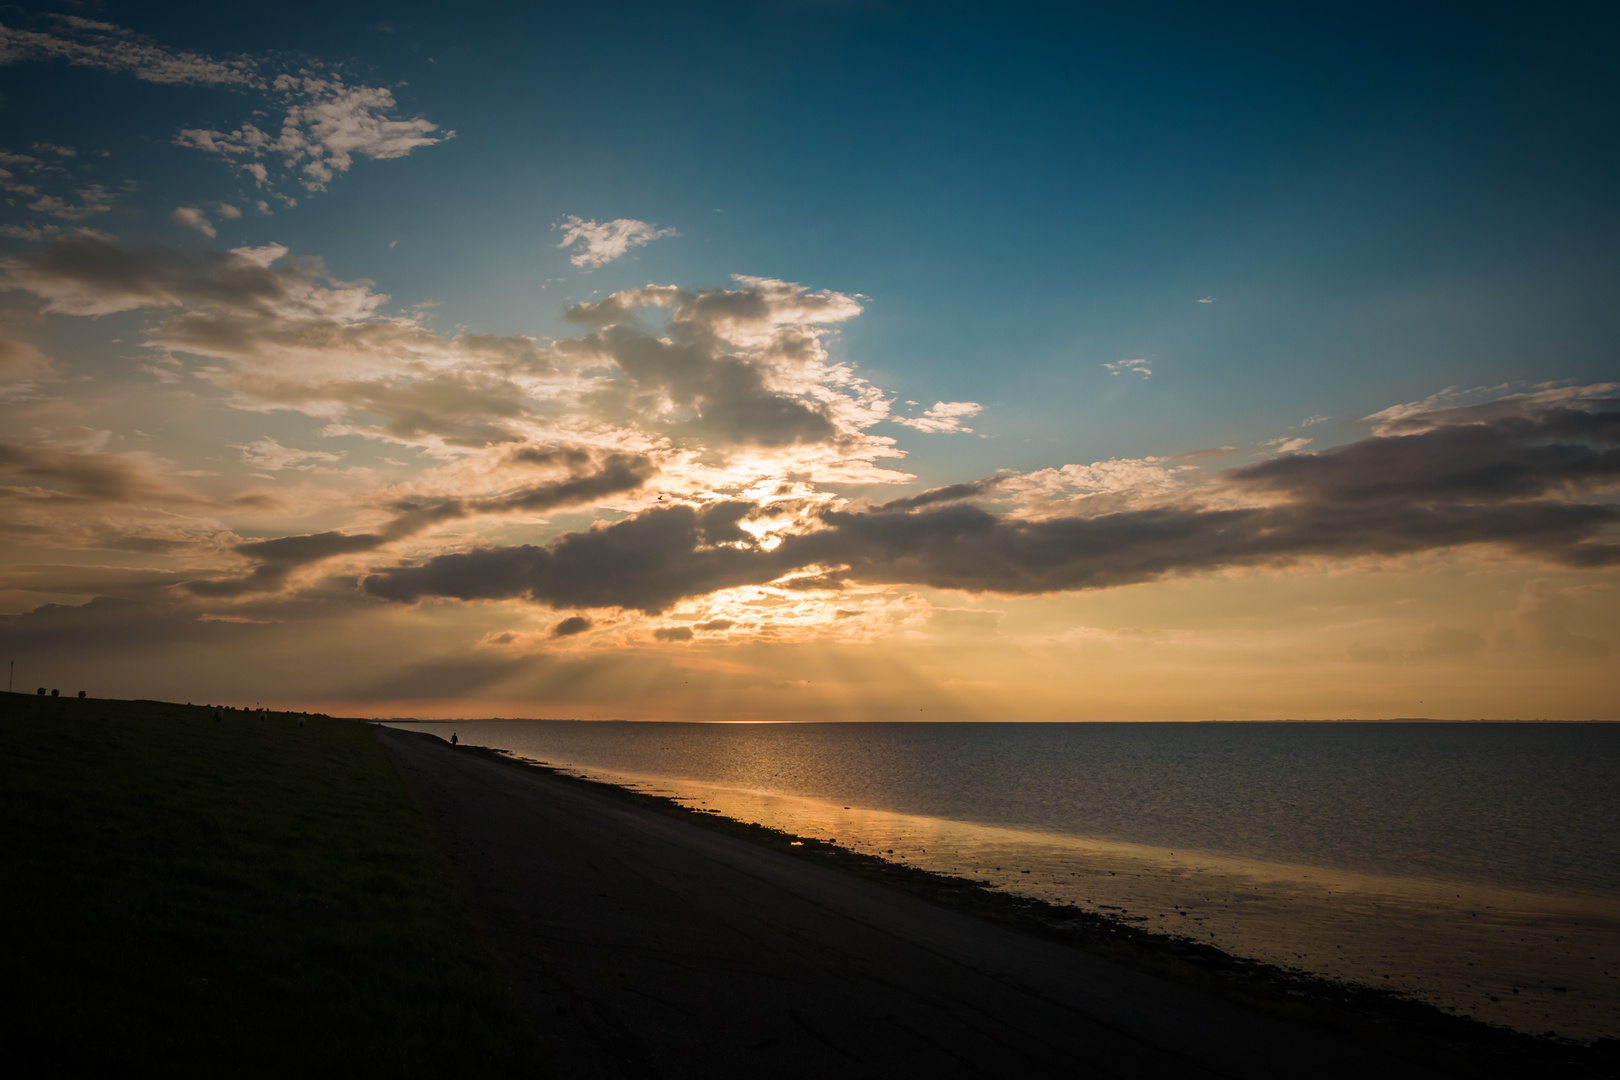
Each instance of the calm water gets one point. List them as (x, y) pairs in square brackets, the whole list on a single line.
[(1477, 866)]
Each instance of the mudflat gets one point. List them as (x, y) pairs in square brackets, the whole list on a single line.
[(648, 946)]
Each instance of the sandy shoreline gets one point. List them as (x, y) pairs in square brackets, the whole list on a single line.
[(646, 945)]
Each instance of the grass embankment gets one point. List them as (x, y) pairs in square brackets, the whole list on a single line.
[(245, 896)]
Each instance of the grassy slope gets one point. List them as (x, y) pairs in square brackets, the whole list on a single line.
[(240, 897)]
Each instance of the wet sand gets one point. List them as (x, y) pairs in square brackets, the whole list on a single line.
[(648, 946)]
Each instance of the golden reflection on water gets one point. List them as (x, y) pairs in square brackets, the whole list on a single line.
[(1538, 963)]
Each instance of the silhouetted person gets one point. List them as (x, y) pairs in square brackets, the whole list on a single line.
[(453, 738), (81, 694)]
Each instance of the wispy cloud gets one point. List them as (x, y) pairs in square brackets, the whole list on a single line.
[(597, 243), (87, 43), (1140, 367)]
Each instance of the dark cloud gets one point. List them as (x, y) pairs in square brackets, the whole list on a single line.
[(1384, 496), (574, 624), (952, 493), (280, 557), (89, 274), (715, 624), (673, 633), (716, 396), (647, 562), (1513, 457), (70, 632)]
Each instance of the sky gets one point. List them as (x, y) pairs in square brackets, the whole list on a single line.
[(813, 359)]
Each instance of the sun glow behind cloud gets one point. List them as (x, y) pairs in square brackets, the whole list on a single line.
[(698, 499)]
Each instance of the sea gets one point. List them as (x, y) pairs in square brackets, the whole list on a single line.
[(1472, 866)]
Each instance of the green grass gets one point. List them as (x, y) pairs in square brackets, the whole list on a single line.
[(243, 897)]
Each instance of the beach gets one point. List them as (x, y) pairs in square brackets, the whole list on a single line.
[(644, 945)]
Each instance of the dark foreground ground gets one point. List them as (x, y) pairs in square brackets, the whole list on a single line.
[(649, 944), (247, 897)]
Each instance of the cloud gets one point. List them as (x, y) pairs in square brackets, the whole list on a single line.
[(267, 455), (1560, 620), (598, 243), (278, 558), (1140, 367), (1440, 409), (192, 218), (574, 624), (944, 417), (66, 477), (673, 633), (734, 370), (93, 199), (1384, 496), (1474, 455), (85, 43), (325, 122), (23, 369)]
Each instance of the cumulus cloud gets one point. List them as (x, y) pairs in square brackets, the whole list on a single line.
[(732, 371), (597, 243), (193, 218), (325, 124), (944, 417)]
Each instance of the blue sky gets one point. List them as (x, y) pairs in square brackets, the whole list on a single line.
[(1108, 235)]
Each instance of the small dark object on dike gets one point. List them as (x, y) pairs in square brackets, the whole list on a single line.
[(40, 691), (56, 693), (453, 738), (81, 695)]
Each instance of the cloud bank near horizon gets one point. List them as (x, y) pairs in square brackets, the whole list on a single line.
[(730, 400)]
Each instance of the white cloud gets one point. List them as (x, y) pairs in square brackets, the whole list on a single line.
[(1309, 420), (945, 417), (325, 124), (1207, 300), (192, 218), (598, 243), (227, 211), (1140, 367)]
